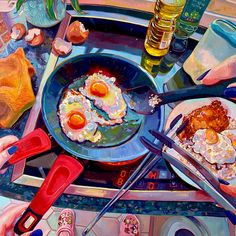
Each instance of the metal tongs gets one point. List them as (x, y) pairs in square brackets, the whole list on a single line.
[(220, 190), (144, 167)]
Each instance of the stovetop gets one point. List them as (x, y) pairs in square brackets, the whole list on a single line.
[(97, 174)]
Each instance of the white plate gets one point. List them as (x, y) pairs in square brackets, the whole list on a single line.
[(185, 108)]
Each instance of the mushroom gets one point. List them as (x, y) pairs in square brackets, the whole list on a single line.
[(34, 37), (76, 33), (18, 31), (61, 47)]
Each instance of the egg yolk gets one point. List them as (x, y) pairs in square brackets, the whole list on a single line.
[(234, 143), (211, 136), (77, 120), (99, 89)]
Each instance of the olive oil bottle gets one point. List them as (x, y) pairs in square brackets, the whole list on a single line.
[(162, 26), (189, 20)]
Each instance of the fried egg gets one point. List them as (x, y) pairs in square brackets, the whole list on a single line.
[(78, 121), (231, 134), (106, 95), (214, 147)]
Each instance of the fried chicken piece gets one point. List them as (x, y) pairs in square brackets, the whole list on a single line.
[(213, 116)]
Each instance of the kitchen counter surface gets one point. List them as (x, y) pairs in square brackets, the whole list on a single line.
[(39, 57)]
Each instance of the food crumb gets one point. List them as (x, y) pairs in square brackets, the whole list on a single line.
[(154, 100)]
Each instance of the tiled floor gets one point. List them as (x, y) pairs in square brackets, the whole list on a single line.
[(107, 226)]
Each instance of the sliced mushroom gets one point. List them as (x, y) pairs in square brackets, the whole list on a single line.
[(34, 37), (61, 47), (76, 33), (18, 31)]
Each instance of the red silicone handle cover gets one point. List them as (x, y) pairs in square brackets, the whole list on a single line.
[(34, 143), (63, 172)]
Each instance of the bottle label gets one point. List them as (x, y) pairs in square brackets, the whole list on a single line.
[(165, 40), (194, 10)]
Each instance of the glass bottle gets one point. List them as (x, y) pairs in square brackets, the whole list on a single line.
[(162, 25), (177, 48), (189, 20), (150, 63), (186, 25)]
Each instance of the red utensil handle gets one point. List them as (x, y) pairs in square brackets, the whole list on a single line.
[(27, 222), (63, 172), (34, 143)]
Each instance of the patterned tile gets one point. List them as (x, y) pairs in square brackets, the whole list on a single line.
[(79, 231), (112, 215), (144, 234), (107, 227), (4, 202), (57, 209), (48, 213), (43, 225), (144, 223), (84, 217), (52, 220), (52, 233)]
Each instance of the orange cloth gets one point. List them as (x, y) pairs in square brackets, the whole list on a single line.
[(16, 93)]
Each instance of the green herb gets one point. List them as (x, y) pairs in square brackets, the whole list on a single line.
[(19, 4), (50, 9), (75, 5)]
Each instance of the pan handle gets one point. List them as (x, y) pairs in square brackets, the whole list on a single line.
[(198, 91), (32, 144), (63, 172), (27, 222)]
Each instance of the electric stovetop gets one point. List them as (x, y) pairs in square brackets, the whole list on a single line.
[(98, 174)]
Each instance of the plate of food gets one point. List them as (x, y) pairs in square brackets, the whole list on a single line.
[(210, 136), (84, 109)]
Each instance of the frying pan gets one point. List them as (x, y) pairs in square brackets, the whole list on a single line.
[(119, 143)]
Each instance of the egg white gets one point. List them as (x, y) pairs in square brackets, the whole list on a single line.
[(112, 103), (219, 153), (72, 102)]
